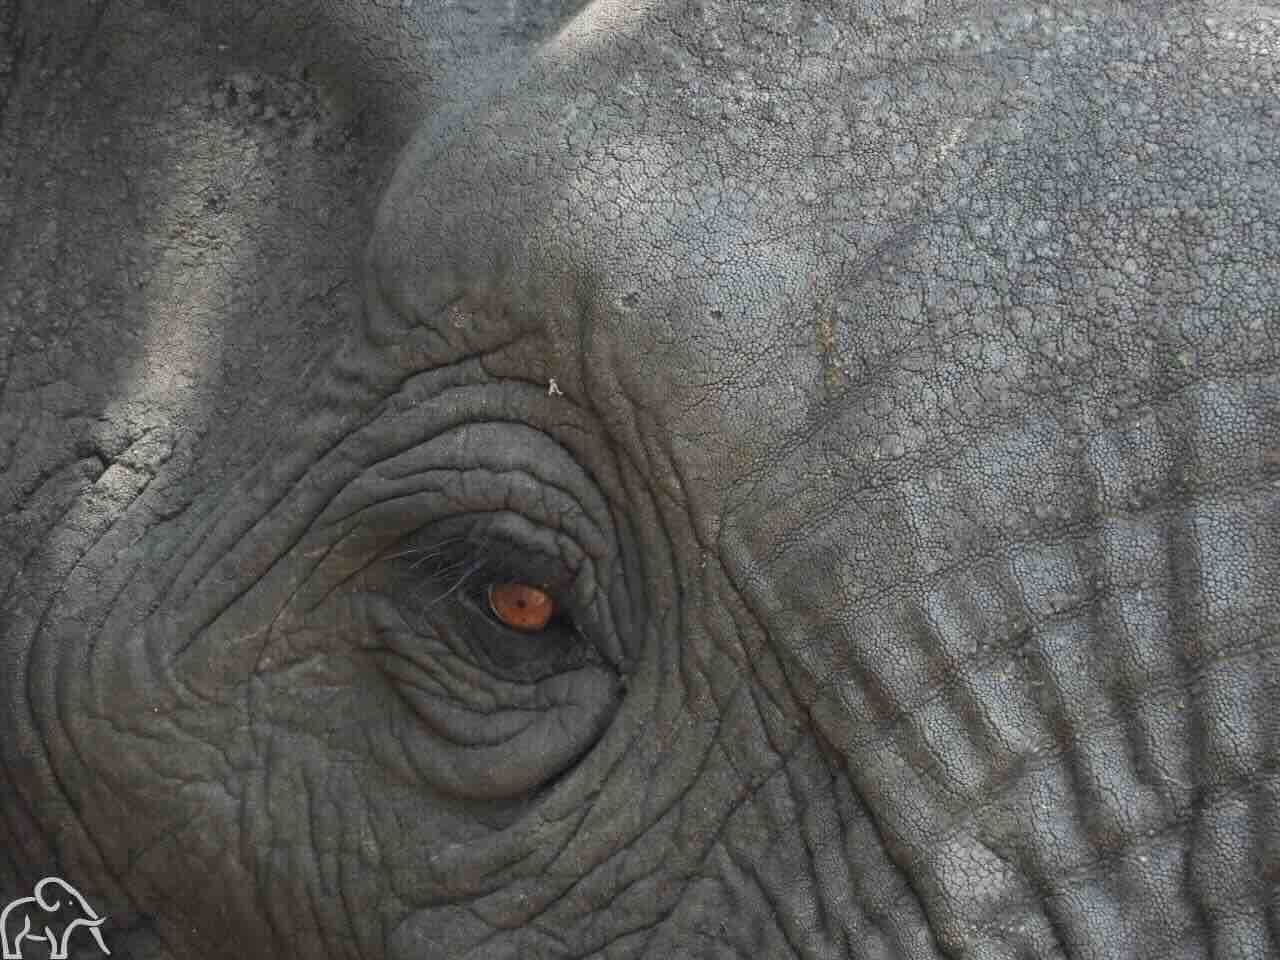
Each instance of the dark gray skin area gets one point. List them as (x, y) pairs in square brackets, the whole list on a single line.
[(911, 486)]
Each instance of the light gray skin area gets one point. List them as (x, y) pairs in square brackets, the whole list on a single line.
[(911, 495)]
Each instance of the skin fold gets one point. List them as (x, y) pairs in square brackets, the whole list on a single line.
[(907, 495)]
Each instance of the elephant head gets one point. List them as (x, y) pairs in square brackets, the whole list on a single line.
[(745, 479)]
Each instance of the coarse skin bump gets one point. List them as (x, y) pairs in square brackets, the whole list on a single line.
[(643, 480)]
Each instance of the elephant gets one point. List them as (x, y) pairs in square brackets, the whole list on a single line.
[(52, 897), (679, 478)]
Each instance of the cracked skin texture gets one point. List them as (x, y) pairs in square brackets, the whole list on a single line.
[(912, 491)]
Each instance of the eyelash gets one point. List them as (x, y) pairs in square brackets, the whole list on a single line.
[(469, 567)]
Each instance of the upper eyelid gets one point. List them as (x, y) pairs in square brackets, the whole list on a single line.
[(464, 562)]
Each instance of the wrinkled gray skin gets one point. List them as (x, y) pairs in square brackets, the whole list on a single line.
[(910, 490)]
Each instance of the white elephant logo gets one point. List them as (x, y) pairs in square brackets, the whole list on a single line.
[(35, 918)]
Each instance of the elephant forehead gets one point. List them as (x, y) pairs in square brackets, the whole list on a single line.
[(957, 215), (685, 231), (649, 151)]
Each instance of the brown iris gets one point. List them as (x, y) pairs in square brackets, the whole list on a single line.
[(521, 606)]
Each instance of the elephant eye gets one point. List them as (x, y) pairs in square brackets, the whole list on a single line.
[(521, 606), (507, 603)]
